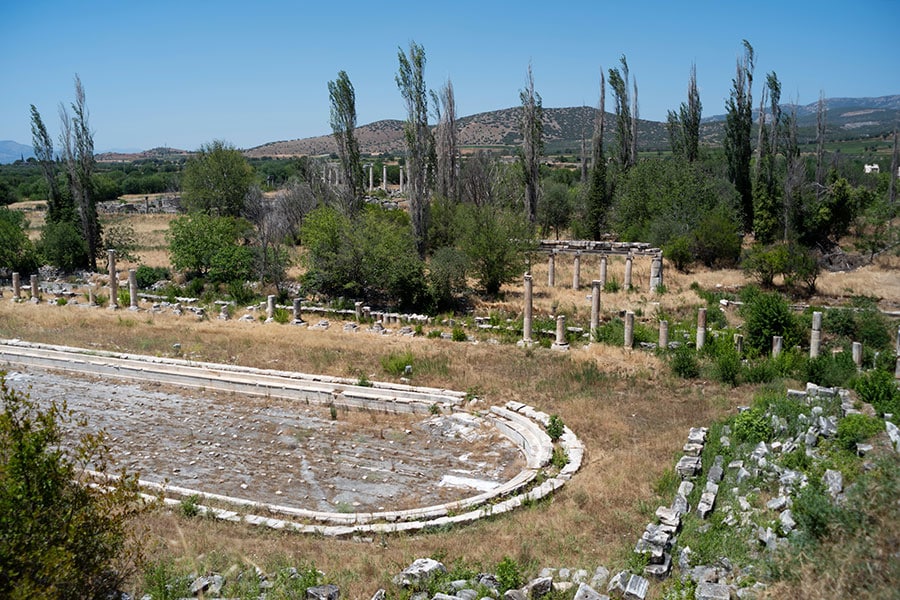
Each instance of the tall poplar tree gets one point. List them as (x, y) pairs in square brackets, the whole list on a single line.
[(58, 208), (446, 142), (532, 144), (411, 82), (619, 81), (684, 125), (343, 125), (598, 200), (738, 123)]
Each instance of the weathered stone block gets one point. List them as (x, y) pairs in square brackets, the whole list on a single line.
[(323, 592), (419, 571), (586, 592), (712, 591)]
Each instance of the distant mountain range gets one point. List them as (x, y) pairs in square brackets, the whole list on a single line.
[(564, 129), (11, 151)]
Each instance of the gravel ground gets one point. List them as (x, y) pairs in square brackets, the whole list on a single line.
[(279, 451)]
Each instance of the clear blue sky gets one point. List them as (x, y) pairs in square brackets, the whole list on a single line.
[(185, 73)]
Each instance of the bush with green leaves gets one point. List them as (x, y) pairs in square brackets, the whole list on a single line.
[(879, 388), (767, 314), (147, 276), (509, 574), (17, 253), (61, 538), (371, 256), (63, 246), (496, 242), (684, 362), (200, 244), (752, 426), (555, 428), (727, 365), (857, 428), (829, 369)]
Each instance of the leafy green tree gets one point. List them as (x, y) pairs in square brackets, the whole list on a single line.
[(78, 154), (496, 241), (554, 209), (59, 208), (61, 538), (767, 201), (620, 81), (16, 250), (216, 180), (446, 277), (446, 142), (199, 243), (411, 81), (738, 123), (62, 245), (659, 199), (371, 256), (343, 125)]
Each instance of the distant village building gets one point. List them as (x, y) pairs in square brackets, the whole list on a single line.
[(874, 168)]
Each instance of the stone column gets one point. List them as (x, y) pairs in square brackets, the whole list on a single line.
[(560, 343), (528, 314), (815, 338), (628, 261), (656, 272), (35, 292), (132, 289), (357, 309), (223, 313), (896, 344), (663, 335), (603, 271), (270, 308), (576, 272), (777, 345), (401, 180), (701, 328), (113, 280), (297, 310), (629, 329), (92, 301), (595, 307), (897, 369), (17, 287), (739, 343), (371, 177), (551, 269), (384, 177), (857, 354)]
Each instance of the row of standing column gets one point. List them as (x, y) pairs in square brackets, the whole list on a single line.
[(656, 271)]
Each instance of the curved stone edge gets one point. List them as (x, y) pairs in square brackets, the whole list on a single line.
[(520, 423)]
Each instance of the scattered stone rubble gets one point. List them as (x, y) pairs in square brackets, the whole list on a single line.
[(774, 487)]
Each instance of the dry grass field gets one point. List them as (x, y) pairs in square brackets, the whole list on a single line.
[(632, 415)]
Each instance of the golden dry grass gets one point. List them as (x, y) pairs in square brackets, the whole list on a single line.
[(632, 417)]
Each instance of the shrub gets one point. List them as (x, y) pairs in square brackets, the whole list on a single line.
[(752, 426), (814, 510), (395, 364), (60, 538), (62, 246), (509, 574), (679, 251), (762, 370), (879, 389), (459, 334), (727, 365), (857, 428), (555, 428), (684, 362), (829, 370), (147, 276), (767, 315)]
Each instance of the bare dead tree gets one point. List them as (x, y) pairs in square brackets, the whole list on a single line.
[(895, 165), (532, 144), (476, 177), (446, 142), (795, 177), (821, 113)]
